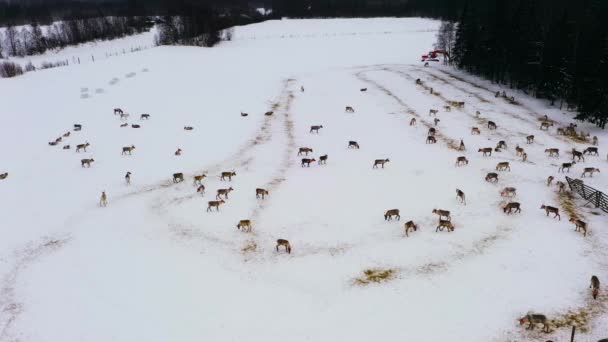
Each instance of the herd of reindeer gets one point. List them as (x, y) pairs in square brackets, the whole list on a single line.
[(444, 216)]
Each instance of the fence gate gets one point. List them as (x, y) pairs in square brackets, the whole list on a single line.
[(596, 197)]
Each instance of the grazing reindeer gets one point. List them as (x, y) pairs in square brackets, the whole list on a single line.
[(503, 166), (128, 178), (594, 141), (549, 180), (198, 179), (491, 125), (590, 171), (353, 144), (380, 162), (363, 89), (227, 174), (144, 117), (595, 285), (245, 224), (413, 122), (579, 226), (82, 147), (418, 81), (135, 126), (117, 111), (431, 140), (561, 186), (128, 149), (349, 109), (67, 134), (66, 147), (315, 129), (433, 112), (553, 210), (529, 139), (591, 151), (260, 192), (445, 224), (512, 206), (577, 154), (323, 159), (518, 150), (3, 176), (178, 177), (52, 143), (178, 152), (524, 157), (77, 127), (124, 116), (460, 195), (201, 189), (244, 114), (508, 192), (86, 162), (436, 121), (442, 213), (390, 213), (215, 204), (432, 131), (284, 243), (475, 131), (124, 124), (306, 162), (103, 201), (553, 152), (306, 150), (188, 128), (492, 177), (269, 113), (486, 151), (544, 126), (501, 145), (532, 319), (462, 160), (447, 108), (410, 226)]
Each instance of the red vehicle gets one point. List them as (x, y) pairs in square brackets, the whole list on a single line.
[(432, 56)]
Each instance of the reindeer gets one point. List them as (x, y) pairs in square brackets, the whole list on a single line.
[(82, 147), (553, 210), (549, 180), (52, 143), (178, 177), (462, 160), (508, 192), (532, 319), (245, 224), (302, 88), (475, 131), (458, 104), (260, 192), (497, 94), (492, 177), (579, 226), (491, 125), (501, 145), (103, 201), (461, 147), (86, 162), (363, 89), (67, 134), (77, 127), (442, 213), (524, 157), (486, 151), (595, 285), (380, 162), (447, 108), (518, 150), (128, 149), (436, 121), (590, 171), (511, 206), (413, 122), (198, 179), (544, 126), (124, 124), (188, 128), (503, 166), (305, 150), (431, 91), (410, 226), (553, 152), (117, 111), (388, 215), (566, 166), (244, 114), (284, 243), (431, 140), (215, 204), (561, 186), (445, 224), (323, 159), (3, 176), (227, 174), (577, 154), (269, 113), (128, 178), (306, 162), (529, 139), (561, 131), (418, 81), (591, 151), (124, 116), (477, 113), (201, 189), (178, 152), (460, 195), (144, 117), (58, 140), (315, 129), (433, 112), (135, 126), (432, 131), (66, 147), (353, 144), (349, 109), (594, 141)]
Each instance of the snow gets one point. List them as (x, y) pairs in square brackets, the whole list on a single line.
[(155, 265)]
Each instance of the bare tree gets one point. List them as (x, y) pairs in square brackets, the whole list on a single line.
[(446, 39)]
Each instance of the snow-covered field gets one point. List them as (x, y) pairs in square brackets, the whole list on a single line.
[(154, 265)]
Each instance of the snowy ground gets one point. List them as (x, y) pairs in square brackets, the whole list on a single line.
[(154, 265)]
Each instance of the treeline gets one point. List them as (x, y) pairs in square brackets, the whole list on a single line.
[(552, 49)]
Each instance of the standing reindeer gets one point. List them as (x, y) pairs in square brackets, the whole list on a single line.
[(323, 159), (577, 154), (410, 226), (561, 186), (201, 189), (349, 109), (86, 162), (380, 162), (512, 206), (128, 177), (215, 204), (532, 319), (433, 112), (445, 224), (245, 224), (462, 160), (460, 195), (305, 150), (492, 177), (431, 140), (223, 192), (413, 122), (227, 174), (529, 139), (553, 210), (260, 192), (306, 162), (353, 144), (590, 171), (128, 149), (579, 225), (549, 180), (486, 151), (475, 131), (315, 129), (388, 215), (103, 201), (198, 179), (442, 213), (595, 285), (591, 151), (178, 177), (491, 125), (284, 243), (566, 166), (503, 166)]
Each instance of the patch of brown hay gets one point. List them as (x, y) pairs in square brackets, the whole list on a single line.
[(566, 200), (250, 247), (580, 318), (376, 275)]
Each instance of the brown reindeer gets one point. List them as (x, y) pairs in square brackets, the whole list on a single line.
[(380, 162), (306, 162), (579, 226), (524, 157), (501, 145), (178, 177), (284, 243), (590, 171), (124, 124), (508, 192), (462, 160), (124, 116), (269, 113), (549, 180), (82, 147), (227, 174), (305, 150), (349, 109), (198, 179), (52, 143), (3, 176), (245, 224), (544, 126), (432, 131), (460, 195), (178, 152), (315, 129), (353, 144), (503, 166), (410, 226), (442, 213), (128, 149), (431, 140), (447, 108), (475, 131), (445, 224), (433, 112), (388, 215), (518, 150), (533, 319), (215, 204), (492, 177), (67, 134), (323, 159), (66, 147), (595, 286), (188, 128), (103, 201), (529, 139), (201, 189), (553, 152), (260, 192), (553, 210), (491, 125), (144, 117), (413, 122), (577, 154), (591, 151), (566, 166), (561, 186), (86, 162), (510, 207), (486, 151)]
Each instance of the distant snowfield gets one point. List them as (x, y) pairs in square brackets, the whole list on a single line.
[(154, 265)]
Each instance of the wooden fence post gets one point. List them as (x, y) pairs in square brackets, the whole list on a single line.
[(572, 336)]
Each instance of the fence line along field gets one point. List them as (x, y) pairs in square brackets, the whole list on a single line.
[(260, 190)]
